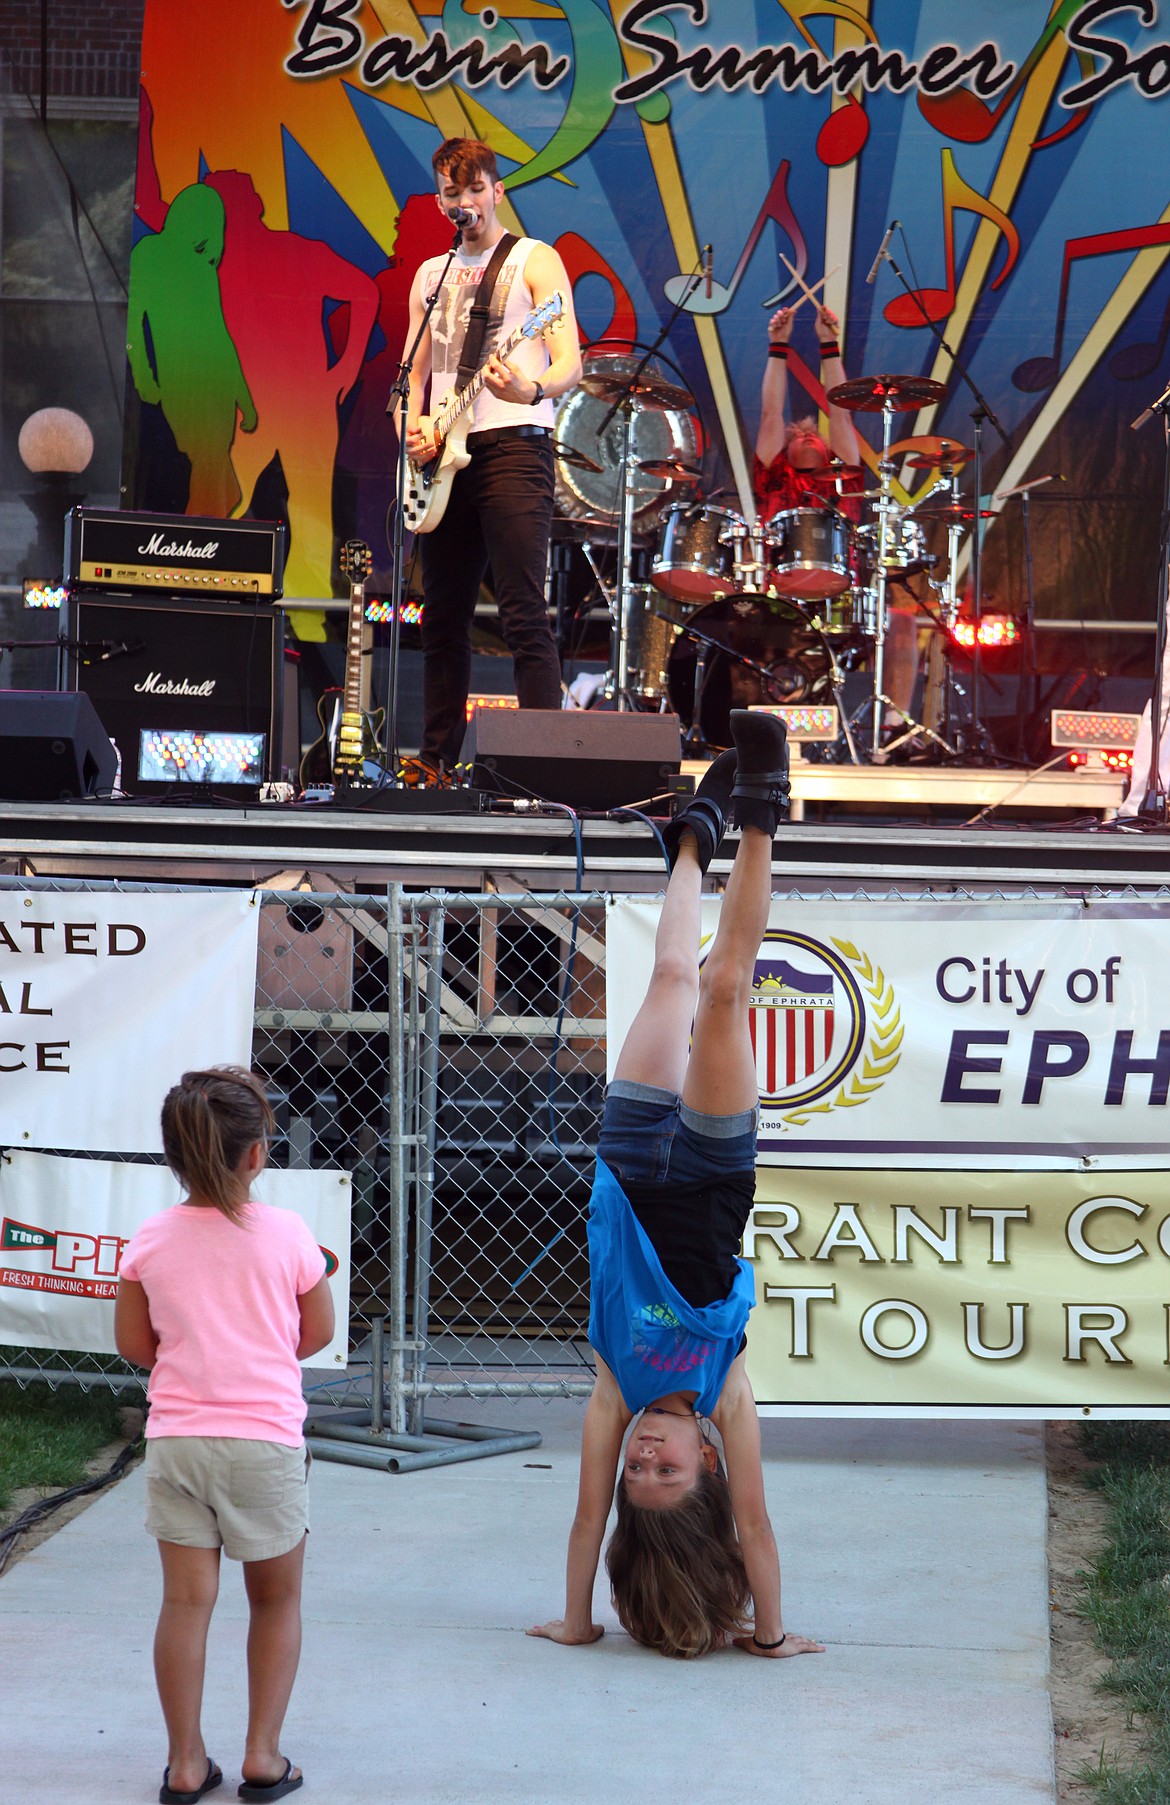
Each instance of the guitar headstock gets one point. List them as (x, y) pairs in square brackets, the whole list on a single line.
[(356, 560), (544, 315)]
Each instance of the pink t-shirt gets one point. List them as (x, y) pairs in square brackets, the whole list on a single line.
[(223, 1302)]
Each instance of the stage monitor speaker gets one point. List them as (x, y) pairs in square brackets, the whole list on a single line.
[(588, 761), (176, 665), (52, 747)]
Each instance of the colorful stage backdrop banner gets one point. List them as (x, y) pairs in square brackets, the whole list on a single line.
[(106, 1000), (64, 1223), (963, 1194), (284, 200)]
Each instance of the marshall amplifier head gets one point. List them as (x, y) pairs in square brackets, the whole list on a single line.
[(175, 554), (156, 667)]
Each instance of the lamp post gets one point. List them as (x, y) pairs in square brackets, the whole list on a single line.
[(55, 446)]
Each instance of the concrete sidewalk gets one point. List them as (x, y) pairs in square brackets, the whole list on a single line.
[(915, 1550)]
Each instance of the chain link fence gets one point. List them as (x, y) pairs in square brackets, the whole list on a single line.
[(448, 1051)]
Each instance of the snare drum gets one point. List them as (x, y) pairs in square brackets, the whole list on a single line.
[(694, 558), (812, 552), (850, 615)]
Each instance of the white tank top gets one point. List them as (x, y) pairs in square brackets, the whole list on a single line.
[(511, 304)]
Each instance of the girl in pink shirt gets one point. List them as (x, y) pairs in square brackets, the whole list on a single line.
[(221, 1297)]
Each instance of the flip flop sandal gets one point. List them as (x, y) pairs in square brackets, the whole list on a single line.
[(275, 1789), (168, 1795)]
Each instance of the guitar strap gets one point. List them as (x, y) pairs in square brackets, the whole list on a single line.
[(477, 319)]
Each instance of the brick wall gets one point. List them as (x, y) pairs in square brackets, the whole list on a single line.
[(94, 47)]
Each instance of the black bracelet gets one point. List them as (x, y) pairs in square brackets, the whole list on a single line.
[(778, 351), (831, 349), (779, 1644)]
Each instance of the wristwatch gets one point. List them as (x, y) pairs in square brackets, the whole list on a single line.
[(539, 395)]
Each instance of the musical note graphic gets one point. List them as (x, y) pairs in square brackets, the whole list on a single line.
[(776, 207), (936, 303), (962, 115), (1132, 361), (1038, 373)]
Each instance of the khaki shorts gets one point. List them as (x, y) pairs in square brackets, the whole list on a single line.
[(250, 1498)]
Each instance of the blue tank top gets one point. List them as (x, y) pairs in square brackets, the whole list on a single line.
[(650, 1337)]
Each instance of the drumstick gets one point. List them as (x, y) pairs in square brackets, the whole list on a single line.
[(809, 294)]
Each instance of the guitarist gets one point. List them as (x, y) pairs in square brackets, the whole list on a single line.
[(499, 511)]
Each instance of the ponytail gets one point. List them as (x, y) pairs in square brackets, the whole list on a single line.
[(210, 1120)]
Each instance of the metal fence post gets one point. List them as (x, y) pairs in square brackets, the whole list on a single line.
[(425, 1158), (395, 1129)]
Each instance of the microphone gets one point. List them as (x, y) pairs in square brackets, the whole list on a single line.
[(882, 249), (707, 270), (463, 216)]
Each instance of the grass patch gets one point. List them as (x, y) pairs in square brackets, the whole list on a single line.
[(47, 1436), (1127, 1599)]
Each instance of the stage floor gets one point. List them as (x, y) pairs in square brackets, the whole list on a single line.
[(878, 827)]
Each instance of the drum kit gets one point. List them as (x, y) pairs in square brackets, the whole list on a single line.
[(737, 610)]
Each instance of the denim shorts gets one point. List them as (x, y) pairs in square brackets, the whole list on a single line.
[(649, 1136)]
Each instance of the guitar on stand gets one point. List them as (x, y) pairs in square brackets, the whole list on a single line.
[(428, 484), (348, 751)]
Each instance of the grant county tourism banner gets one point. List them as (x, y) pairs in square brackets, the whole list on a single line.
[(1020, 144), (64, 1223), (963, 1192), (106, 998)]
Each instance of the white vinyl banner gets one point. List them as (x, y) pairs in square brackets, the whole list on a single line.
[(106, 999), (64, 1223), (967, 1035)]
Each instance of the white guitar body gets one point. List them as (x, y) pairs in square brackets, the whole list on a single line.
[(428, 485)]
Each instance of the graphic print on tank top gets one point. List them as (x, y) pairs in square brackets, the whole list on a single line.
[(451, 317)]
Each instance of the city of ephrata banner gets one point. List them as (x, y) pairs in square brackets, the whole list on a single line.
[(963, 1194)]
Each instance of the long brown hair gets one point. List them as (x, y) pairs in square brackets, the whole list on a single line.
[(678, 1577), (210, 1120)]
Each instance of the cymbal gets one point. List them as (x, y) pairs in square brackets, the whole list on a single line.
[(671, 470), (649, 388), (931, 452), (869, 394), (952, 510), (578, 460)]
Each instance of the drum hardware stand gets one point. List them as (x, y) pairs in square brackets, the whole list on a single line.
[(981, 411), (1155, 804), (625, 404)]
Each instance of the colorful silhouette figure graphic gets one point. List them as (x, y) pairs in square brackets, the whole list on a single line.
[(276, 289), (181, 356)]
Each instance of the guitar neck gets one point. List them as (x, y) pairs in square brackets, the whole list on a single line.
[(351, 701)]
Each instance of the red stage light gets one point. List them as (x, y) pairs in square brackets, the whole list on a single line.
[(995, 630)]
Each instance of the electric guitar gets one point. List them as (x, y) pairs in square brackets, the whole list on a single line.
[(429, 484), (349, 737)]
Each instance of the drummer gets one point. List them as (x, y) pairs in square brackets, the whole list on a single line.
[(793, 469)]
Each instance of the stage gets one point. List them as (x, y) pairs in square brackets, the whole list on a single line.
[(908, 845)]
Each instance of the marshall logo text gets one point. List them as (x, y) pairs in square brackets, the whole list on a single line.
[(155, 684)]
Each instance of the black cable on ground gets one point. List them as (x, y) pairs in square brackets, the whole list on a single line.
[(44, 1507)]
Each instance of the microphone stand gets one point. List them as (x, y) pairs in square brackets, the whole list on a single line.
[(982, 411), (1155, 802), (401, 392), (1028, 691)]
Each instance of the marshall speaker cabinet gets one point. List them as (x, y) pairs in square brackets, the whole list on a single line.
[(161, 670)]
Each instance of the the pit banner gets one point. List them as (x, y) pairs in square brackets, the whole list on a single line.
[(963, 1190), (106, 999), (64, 1223)]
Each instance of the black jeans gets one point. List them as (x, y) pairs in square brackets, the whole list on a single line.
[(499, 512)]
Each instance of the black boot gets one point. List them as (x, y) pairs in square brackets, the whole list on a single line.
[(759, 797), (704, 813)]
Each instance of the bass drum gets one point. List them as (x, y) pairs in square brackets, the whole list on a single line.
[(765, 629)]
